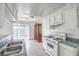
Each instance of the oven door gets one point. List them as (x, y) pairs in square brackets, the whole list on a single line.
[(52, 48)]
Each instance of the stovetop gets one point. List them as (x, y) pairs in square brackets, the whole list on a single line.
[(56, 41)]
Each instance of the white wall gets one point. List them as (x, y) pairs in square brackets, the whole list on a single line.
[(45, 26)]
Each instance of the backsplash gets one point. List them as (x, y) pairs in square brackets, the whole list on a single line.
[(73, 33)]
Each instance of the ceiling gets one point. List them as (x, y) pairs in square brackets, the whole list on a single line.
[(38, 9), (32, 12)]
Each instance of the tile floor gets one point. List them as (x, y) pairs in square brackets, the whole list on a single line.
[(34, 48)]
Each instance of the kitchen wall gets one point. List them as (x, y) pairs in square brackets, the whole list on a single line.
[(6, 27)]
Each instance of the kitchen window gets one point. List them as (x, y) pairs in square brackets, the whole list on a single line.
[(20, 31)]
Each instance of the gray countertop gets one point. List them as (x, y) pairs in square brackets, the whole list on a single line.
[(71, 42)]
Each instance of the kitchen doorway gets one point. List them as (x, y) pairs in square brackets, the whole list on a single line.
[(38, 32)]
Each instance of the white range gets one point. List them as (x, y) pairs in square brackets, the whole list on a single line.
[(53, 43)]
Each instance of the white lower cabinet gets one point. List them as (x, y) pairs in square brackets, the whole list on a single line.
[(66, 50)]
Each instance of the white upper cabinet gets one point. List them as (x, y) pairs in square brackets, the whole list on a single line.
[(52, 20), (56, 19), (70, 18), (1, 14), (1, 10), (78, 17), (10, 5), (59, 19), (67, 18), (15, 11), (10, 12)]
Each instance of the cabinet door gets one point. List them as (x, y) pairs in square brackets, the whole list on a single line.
[(10, 5), (1, 14), (70, 17), (8, 14), (14, 11), (66, 52), (0, 9), (59, 19), (56, 19), (52, 20)]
